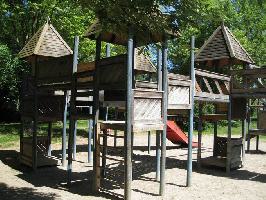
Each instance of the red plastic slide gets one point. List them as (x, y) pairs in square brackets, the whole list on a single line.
[(176, 135)]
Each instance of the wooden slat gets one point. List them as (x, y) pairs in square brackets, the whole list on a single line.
[(212, 75), (208, 85)]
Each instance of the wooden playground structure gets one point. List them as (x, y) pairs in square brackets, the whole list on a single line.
[(59, 87)]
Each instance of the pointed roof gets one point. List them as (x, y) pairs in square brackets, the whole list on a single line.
[(46, 42), (120, 38), (223, 45)]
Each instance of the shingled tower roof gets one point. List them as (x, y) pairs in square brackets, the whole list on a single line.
[(46, 42), (223, 45)]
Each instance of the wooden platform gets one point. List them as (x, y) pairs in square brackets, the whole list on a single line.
[(136, 127)]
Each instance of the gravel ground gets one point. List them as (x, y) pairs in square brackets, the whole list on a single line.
[(249, 182)]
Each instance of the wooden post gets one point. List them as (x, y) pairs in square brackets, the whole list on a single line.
[(96, 156), (199, 136), (21, 135), (158, 133), (228, 155), (128, 132), (35, 120), (75, 140), (248, 121), (258, 137), (149, 142), (49, 138), (191, 115), (165, 104), (64, 130), (90, 125), (72, 109)]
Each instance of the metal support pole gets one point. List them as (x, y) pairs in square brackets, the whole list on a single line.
[(248, 124), (96, 163), (49, 138), (64, 130), (149, 142), (115, 131), (158, 133), (165, 104), (128, 147), (228, 155), (191, 115), (89, 137), (104, 153), (75, 140), (72, 109), (199, 137)]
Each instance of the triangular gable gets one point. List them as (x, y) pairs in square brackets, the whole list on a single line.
[(143, 63), (222, 45), (46, 42)]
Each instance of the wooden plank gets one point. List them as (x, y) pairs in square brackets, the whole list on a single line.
[(218, 86), (212, 75), (207, 85), (147, 94)]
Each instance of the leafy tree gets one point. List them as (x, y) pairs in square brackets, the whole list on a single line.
[(10, 69)]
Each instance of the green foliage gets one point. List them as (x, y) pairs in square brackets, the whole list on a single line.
[(10, 69)]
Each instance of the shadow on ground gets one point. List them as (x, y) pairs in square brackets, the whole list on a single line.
[(55, 177)]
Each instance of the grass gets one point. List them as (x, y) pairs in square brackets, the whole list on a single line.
[(9, 133)]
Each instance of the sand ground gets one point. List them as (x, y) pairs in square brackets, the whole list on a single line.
[(249, 182)]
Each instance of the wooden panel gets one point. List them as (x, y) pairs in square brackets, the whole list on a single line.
[(178, 96), (262, 119), (86, 66), (54, 70), (239, 108), (147, 107)]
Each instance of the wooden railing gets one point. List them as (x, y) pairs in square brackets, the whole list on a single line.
[(249, 82), (211, 86)]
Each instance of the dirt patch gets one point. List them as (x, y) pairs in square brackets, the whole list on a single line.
[(50, 183)]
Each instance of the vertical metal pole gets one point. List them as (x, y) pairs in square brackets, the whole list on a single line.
[(191, 115), (89, 136), (244, 134), (115, 131), (199, 137), (158, 133), (228, 157), (75, 140), (108, 50), (72, 108), (128, 147), (96, 158), (248, 124), (149, 142), (64, 130), (165, 103), (49, 138), (258, 137)]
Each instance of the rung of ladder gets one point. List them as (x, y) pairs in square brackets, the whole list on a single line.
[(84, 94), (110, 135), (85, 85), (82, 116), (85, 74), (84, 103), (110, 158)]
